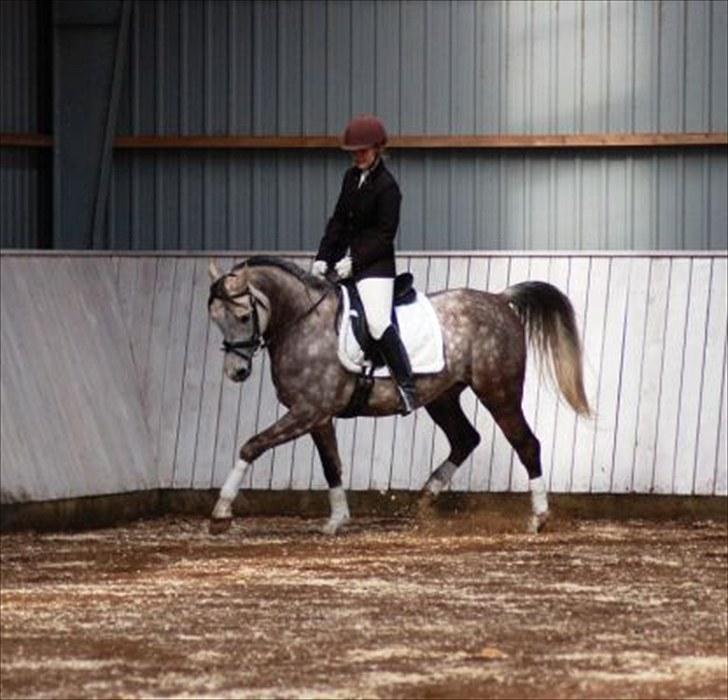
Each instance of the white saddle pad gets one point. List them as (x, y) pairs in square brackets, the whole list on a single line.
[(419, 329)]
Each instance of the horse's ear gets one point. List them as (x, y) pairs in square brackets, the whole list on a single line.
[(214, 273)]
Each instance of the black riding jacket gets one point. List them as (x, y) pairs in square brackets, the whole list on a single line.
[(365, 220)]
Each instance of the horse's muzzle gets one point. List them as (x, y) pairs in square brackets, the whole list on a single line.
[(241, 374)]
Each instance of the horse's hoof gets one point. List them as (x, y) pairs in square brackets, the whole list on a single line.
[(426, 505), (332, 526), (220, 525), (537, 522)]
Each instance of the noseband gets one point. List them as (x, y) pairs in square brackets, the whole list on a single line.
[(256, 341)]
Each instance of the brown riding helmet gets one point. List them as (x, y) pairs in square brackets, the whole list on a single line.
[(365, 131)]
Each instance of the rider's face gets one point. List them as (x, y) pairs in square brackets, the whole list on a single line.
[(364, 158)]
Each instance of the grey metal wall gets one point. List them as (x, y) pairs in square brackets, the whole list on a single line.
[(445, 67), (461, 200), (430, 67), (24, 108)]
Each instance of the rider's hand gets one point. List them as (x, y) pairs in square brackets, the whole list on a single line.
[(344, 267), (319, 268)]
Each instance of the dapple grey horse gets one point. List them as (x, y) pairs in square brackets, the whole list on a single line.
[(266, 301)]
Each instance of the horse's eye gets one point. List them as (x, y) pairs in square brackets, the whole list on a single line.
[(244, 318)]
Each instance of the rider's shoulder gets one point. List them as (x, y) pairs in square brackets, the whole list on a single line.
[(386, 178)]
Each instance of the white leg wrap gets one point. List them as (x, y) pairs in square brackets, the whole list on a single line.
[(339, 510), (223, 507), (539, 499), (440, 477), (539, 504), (232, 484)]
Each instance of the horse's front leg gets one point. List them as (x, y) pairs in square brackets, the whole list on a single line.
[(324, 436), (289, 427)]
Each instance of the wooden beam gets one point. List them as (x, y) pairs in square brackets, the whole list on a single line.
[(493, 141), (490, 141), (26, 141)]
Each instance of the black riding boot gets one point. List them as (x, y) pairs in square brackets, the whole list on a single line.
[(390, 345)]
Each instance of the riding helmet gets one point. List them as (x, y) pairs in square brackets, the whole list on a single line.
[(364, 131)]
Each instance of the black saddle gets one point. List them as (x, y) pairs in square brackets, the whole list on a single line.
[(404, 293)]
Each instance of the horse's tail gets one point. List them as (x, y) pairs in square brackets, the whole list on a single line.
[(549, 319)]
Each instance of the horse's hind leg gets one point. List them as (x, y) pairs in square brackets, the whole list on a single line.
[(324, 437), (463, 437), (518, 433)]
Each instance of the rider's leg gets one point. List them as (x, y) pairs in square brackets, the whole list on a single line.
[(376, 296)]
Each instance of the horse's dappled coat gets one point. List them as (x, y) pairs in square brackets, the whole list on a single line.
[(484, 336)]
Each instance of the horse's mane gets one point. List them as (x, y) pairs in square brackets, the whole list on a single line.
[(287, 266)]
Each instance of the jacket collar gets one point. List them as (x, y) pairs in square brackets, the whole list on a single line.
[(372, 172)]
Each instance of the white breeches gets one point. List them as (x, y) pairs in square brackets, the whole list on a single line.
[(376, 296)]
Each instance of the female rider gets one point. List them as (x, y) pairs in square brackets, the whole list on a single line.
[(359, 242)]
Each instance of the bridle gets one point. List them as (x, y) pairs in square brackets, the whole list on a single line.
[(257, 342)]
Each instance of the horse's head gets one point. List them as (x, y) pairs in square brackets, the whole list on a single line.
[(241, 312)]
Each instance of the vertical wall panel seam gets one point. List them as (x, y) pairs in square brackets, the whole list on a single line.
[(643, 341), (425, 75), (229, 118), (721, 418), (158, 431), (658, 76), (570, 478), (399, 65), (594, 400), (605, 117), (704, 355), (680, 194), (684, 68), (232, 74), (182, 192), (709, 68), (476, 67), (159, 126), (655, 203), (552, 69), (375, 106), (625, 316), (504, 77), (633, 61), (658, 402), (148, 337), (579, 96), (351, 59), (183, 375), (601, 365), (705, 185), (449, 63), (134, 95)]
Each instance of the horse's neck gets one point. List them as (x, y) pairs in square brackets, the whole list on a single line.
[(287, 295)]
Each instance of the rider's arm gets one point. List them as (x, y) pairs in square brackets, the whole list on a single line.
[(335, 240)]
